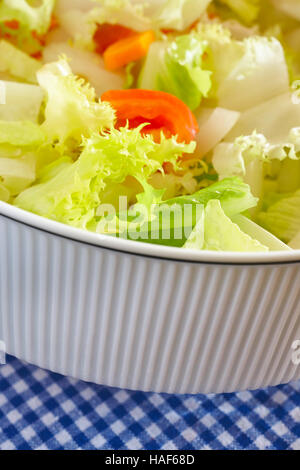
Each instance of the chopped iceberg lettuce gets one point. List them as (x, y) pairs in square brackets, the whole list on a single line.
[(283, 217), (171, 222), (33, 18), (214, 125), (26, 22), (196, 239), (258, 233), (80, 19), (17, 63), (268, 156), (16, 174), (22, 102), (177, 14), (4, 193), (245, 73), (21, 133), (215, 231), (246, 10), (177, 68), (221, 234), (294, 243), (277, 119), (290, 7)]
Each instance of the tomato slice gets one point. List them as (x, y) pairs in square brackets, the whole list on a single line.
[(163, 111)]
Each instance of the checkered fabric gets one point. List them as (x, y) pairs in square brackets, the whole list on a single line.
[(42, 410)]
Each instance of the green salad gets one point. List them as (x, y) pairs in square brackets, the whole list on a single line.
[(173, 122)]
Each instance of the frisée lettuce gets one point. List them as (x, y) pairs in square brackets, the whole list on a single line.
[(73, 195), (79, 113)]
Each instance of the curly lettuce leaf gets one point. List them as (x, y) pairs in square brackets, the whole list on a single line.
[(73, 195), (232, 159), (177, 68), (72, 110)]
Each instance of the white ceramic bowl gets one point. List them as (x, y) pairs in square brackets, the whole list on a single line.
[(146, 317)]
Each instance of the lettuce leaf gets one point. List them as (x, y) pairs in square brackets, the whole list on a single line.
[(17, 63), (177, 14), (264, 166), (294, 243), (214, 125), (196, 238), (289, 7), (33, 18), (278, 119), (283, 218), (232, 159), (246, 10), (21, 133), (80, 19), (245, 73), (4, 193), (258, 233), (73, 195), (177, 68), (235, 196), (22, 102), (268, 159), (19, 141), (221, 234), (72, 111), (171, 222), (85, 64), (17, 173)]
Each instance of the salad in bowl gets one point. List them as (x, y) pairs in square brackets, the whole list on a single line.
[(169, 122)]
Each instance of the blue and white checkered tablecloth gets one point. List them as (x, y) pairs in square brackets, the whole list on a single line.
[(42, 410)]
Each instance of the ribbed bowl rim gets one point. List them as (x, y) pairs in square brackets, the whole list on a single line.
[(144, 249)]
